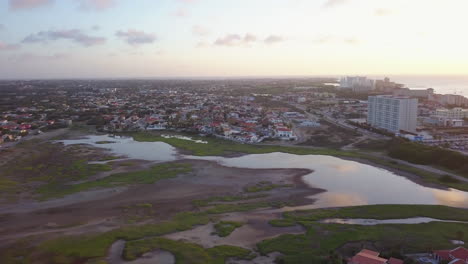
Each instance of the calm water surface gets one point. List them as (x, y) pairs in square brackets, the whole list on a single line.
[(348, 183), (415, 220), (126, 146)]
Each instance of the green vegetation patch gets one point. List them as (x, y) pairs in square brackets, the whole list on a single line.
[(426, 176), (105, 142), (150, 176), (265, 186), (96, 246), (320, 241), (185, 252), (225, 228), (382, 212), (218, 147), (429, 155), (228, 198)]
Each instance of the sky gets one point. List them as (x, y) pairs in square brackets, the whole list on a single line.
[(209, 38)]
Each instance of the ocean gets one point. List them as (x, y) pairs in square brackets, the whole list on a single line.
[(441, 84)]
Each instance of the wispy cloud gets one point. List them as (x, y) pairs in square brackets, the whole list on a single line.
[(273, 39), (333, 3), (383, 12), (74, 35), (136, 37), (28, 4), (7, 47), (95, 5), (329, 39), (232, 40), (181, 12), (200, 31), (26, 57), (2, 27)]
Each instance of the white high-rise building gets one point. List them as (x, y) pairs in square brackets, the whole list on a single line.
[(393, 113), (357, 84)]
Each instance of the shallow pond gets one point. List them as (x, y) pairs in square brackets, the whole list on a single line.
[(126, 146), (348, 183)]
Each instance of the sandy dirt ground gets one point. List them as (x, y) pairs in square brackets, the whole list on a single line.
[(101, 210), (254, 230)]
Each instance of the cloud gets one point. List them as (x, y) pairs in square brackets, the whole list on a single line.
[(28, 4), (200, 31), (351, 41), (273, 39), (2, 27), (202, 44), (181, 12), (136, 37), (96, 5), (74, 35), (8, 47), (333, 3), (96, 27), (35, 57), (383, 12), (232, 40), (328, 39)]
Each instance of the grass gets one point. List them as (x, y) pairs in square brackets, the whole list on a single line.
[(225, 228), (185, 252), (7, 185), (150, 176), (96, 246), (219, 147), (381, 212), (104, 142), (321, 239), (426, 176), (227, 198), (265, 186)]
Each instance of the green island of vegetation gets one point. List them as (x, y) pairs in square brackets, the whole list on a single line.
[(225, 228), (265, 186), (227, 198), (150, 176), (104, 142), (186, 252)]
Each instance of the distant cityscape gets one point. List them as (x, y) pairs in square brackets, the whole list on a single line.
[(231, 109)]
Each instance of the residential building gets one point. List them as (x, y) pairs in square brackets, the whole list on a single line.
[(357, 84), (455, 113), (420, 93), (366, 256), (386, 85), (458, 255), (392, 113), (449, 99)]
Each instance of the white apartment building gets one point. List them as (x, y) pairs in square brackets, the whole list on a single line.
[(454, 113), (393, 113), (357, 84)]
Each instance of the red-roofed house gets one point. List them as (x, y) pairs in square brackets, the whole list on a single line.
[(366, 256), (395, 261), (458, 255)]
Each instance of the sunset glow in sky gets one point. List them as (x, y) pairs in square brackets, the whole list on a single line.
[(169, 38)]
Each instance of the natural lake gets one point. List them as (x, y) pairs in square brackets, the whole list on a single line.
[(348, 183)]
